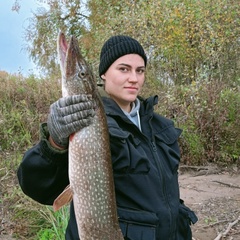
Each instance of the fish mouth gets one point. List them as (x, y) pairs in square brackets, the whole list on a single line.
[(62, 48), (68, 54), (74, 69)]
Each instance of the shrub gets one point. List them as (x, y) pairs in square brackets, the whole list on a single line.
[(208, 112)]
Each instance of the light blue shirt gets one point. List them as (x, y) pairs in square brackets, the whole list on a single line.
[(133, 115)]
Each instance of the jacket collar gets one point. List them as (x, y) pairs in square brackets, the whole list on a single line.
[(146, 108)]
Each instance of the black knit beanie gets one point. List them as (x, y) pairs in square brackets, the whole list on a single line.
[(116, 47)]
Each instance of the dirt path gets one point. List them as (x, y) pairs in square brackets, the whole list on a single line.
[(215, 198)]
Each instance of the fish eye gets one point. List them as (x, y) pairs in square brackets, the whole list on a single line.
[(81, 74)]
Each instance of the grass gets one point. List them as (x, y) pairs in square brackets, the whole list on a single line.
[(24, 105), (29, 219), (58, 221)]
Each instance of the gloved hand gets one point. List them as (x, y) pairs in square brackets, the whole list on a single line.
[(69, 115)]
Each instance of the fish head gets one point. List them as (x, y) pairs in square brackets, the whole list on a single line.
[(77, 77)]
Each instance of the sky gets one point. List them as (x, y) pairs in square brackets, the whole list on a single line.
[(13, 58)]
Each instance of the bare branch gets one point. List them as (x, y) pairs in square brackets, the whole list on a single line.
[(224, 234), (227, 184)]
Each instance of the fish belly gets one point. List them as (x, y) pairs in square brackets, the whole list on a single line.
[(90, 175)]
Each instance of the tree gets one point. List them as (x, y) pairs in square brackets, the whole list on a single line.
[(186, 41), (44, 26)]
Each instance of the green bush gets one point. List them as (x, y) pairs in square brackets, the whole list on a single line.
[(208, 112), (24, 105)]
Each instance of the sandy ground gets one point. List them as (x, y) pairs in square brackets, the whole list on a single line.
[(215, 198)]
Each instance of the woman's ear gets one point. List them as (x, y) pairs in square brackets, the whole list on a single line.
[(103, 76)]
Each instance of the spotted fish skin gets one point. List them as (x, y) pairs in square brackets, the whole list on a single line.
[(90, 166)]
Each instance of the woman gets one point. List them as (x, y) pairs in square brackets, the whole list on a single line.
[(144, 149)]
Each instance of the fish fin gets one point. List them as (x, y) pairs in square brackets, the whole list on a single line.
[(71, 137), (64, 198)]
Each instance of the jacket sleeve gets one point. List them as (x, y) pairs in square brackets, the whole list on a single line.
[(43, 172)]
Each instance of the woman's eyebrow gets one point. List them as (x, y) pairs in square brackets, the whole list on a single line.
[(124, 64), (127, 65)]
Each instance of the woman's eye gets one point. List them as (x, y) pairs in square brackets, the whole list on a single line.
[(141, 70), (123, 69)]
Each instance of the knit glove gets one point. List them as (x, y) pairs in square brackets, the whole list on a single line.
[(69, 115)]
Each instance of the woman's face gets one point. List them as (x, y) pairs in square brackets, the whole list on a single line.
[(124, 79)]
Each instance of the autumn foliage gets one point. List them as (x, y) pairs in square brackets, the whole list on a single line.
[(185, 40)]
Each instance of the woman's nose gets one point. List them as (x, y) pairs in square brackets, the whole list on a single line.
[(133, 77)]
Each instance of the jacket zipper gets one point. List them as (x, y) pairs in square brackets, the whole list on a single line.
[(161, 170)]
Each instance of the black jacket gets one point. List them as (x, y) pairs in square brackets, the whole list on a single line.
[(145, 167)]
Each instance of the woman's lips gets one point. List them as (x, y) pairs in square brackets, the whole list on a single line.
[(132, 88)]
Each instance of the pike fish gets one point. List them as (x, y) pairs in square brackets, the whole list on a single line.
[(90, 167)]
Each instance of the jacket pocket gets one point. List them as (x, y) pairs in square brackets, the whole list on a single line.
[(185, 219), (167, 142), (137, 225), (169, 135), (127, 154)]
